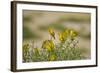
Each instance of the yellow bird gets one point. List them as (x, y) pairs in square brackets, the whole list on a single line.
[(51, 32)]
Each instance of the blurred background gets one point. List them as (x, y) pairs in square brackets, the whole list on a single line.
[(36, 24)]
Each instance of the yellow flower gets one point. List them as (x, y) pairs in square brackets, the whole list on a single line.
[(67, 31), (73, 34), (63, 36), (66, 34), (51, 32), (48, 44), (52, 57)]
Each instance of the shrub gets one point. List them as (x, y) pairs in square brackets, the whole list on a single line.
[(65, 49)]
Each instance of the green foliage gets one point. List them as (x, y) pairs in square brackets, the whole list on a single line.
[(50, 51), (26, 56)]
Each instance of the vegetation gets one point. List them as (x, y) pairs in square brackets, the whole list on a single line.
[(65, 49)]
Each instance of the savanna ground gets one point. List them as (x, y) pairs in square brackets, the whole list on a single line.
[(56, 36)]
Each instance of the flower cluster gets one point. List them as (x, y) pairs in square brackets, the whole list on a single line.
[(65, 49), (48, 44)]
